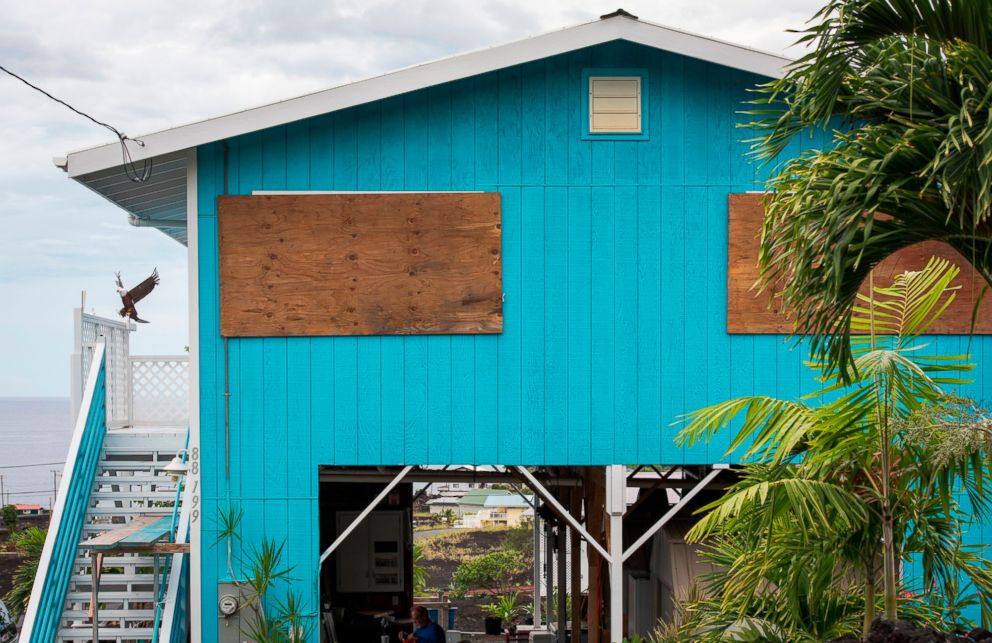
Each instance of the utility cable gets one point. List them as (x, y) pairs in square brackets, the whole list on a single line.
[(29, 493), (23, 466), (129, 166)]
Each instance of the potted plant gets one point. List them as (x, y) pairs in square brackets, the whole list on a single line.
[(504, 610)]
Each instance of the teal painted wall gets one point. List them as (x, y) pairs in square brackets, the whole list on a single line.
[(614, 267)]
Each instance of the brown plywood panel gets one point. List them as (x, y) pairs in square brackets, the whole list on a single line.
[(360, 264), (748, 312)]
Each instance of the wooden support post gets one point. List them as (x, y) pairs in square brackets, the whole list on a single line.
[(575, 560), (595, 488), (155, 580), (95, 589)]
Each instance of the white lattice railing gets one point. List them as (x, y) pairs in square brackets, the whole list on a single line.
[(159, 390), (91, 331), (142, 390)]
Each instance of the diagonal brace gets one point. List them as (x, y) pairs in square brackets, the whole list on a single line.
[(549, 498), (717, 468), (365, 512)]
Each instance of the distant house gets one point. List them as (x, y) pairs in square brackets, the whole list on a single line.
[(442, 504), (30, 510), (456, 489), (473, 501), (506, 511)]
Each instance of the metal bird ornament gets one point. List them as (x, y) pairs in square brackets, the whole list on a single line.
[(130, 297)]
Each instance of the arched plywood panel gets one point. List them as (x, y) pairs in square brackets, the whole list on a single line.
[(756, 313)]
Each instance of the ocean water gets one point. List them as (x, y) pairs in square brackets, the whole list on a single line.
[(33, 431)]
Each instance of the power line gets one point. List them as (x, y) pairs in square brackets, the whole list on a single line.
[(129, 166), (24, 466), (34, 493)]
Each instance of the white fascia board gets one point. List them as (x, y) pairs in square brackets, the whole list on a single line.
[(193, 479), (704, 48), (427, 75)]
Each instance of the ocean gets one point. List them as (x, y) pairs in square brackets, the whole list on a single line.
[(34, 432)]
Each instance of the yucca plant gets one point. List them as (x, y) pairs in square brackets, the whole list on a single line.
[(905, 86), (268, 618), (845, 484), (228, 531)]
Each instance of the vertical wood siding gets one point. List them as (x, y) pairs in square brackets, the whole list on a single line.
[(614, 261)]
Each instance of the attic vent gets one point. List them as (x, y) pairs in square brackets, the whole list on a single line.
[(615, 105)]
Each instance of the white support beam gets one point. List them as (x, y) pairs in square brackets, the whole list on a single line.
[(536, 608), (365, 512), (547, 497), (717, 468), (616, 506)]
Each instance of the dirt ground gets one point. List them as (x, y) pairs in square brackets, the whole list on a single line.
[(442, 555)]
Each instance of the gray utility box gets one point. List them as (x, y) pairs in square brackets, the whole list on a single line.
[(231, 614)]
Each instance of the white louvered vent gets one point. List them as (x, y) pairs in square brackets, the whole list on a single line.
[(614, 104)]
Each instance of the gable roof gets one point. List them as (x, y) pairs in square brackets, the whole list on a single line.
[(162, 199), (443, 500), (508, 501), (479, 496)]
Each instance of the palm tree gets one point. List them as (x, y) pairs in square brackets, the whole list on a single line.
[(906, 86), (29, 542), (878, 460)]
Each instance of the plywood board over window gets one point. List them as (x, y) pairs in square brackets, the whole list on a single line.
[(360, 264), (751, 312)]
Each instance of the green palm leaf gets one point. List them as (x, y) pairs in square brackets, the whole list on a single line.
[(905, 87)]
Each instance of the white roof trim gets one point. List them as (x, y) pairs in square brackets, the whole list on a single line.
[(430, 74)]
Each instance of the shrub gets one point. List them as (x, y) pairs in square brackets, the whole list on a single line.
[(493, 572)]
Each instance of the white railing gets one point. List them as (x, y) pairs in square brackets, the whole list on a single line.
[(159, 390), (92, 331), (176, 581), (142, 390), (54, 566)]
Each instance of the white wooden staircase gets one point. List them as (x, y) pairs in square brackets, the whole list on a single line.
[(129, 482)]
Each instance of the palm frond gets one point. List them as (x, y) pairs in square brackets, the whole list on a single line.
[(905, 87)]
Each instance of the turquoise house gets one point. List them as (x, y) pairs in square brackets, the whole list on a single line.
[(610, 149)]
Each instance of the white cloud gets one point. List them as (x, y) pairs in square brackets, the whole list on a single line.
[(145, 66)]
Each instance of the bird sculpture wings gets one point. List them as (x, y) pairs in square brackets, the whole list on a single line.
[(130, 297)]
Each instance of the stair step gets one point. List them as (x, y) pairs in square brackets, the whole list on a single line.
[(127, 511), (157, 496), (106, 634), (118, 561), (126, 465), (143, 589), (110, 596), (152, 477), (113, 579), (136, 614)]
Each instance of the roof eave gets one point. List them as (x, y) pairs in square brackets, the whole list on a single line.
[(426, 75)]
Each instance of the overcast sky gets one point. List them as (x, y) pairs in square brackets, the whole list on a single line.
[(144, 66)]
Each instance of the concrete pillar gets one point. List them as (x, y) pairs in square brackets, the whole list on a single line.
[(616, 505)]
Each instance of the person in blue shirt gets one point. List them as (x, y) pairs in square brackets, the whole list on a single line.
[(425, 630)]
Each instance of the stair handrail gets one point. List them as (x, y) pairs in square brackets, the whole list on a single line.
[(58, 556), (174, 576), (171, 629)]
